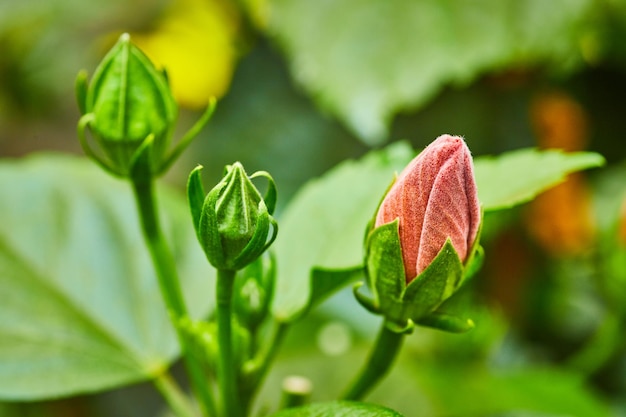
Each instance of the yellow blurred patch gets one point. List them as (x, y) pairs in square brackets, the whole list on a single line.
[(259, 12), (196, 42)]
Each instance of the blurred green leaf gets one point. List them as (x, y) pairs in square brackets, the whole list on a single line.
[(324, 224), (516, 177), (365, 60), (545, 391), (80, 307), (338, 409), (325, 283)]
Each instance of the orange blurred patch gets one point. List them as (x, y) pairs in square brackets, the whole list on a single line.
[(621, 231), (559, 122), (560, 219)]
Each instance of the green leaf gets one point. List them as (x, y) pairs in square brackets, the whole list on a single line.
[(80, 308), (324, 224), (326, 282), (482, 392), (516, 177), (394, 55), (338, 409)]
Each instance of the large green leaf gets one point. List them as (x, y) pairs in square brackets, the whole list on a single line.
[(517, 176), (549, 392), (80, 308), (324, 225), (338, 409), (366, 59)]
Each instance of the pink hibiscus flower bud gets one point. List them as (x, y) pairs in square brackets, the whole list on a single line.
[(435, 199)]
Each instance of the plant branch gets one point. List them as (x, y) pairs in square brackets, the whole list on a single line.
[(175, 397), (256, 368), (170, 288), (226, 367), (381, 358)]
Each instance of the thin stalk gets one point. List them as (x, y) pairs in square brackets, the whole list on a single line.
[(256, 368), (261, 363), (175, 397), (381, 358), (227, 371), (170, 289)]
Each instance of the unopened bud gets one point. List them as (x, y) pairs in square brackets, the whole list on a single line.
[(130, 109), (424, 241), (435, 199), (234, 222)]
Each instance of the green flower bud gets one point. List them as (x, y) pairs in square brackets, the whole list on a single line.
[(233, 222), (128, 106)]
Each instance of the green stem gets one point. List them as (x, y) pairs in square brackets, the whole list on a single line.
[(226, 366), (381, 358), (256, 368), (170, 288), (267, 355), (175, 397)]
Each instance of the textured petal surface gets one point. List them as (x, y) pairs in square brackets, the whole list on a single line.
[(435, 198)]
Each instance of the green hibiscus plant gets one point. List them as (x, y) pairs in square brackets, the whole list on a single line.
[(420, 247)]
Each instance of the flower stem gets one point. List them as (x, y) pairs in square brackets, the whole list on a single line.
[(175, 397), (381, 358), (170, 288), (227, 372), (256, 368), (266, 356)]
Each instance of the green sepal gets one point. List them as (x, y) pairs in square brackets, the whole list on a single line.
[(435, 284), (195, 197), (368, 303), (446, 322), (474, 263), (259, 241), (188, 137), (384, 264), (80, 88), (83, 123), (271, 194), (208, 233), (402, 328), (476, 255), (141, 162)]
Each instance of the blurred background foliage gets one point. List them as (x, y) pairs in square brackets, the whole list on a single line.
[(304, 85)]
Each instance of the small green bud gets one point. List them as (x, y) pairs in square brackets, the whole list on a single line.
[(254, 290), (129, 108), (233, 222)]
